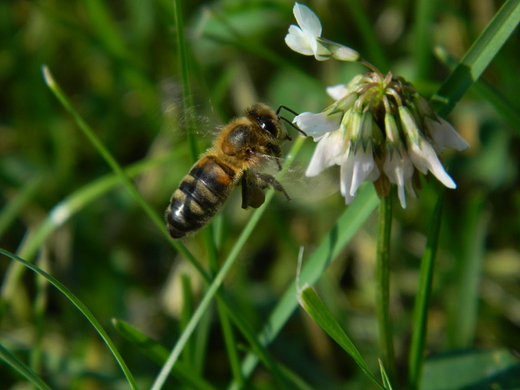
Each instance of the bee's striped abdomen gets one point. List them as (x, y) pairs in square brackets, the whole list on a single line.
[(200, 195)]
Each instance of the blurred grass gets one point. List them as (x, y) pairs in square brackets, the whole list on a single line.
[(118, 64)]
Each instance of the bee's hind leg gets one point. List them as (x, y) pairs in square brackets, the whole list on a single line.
[(265, 181)]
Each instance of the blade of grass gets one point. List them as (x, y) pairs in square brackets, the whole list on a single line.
[(83, 309), (419, 324), (118, 170), (59, 214), (339, 236), (22, 369), (477, 58), (159, 354), (219, 278), (314, 306)]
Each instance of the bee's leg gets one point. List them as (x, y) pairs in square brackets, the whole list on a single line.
[(265, 180)]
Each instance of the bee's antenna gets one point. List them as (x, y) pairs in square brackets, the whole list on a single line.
[(287, 120)]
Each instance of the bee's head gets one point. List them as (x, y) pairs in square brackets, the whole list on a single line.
[(269, 121)]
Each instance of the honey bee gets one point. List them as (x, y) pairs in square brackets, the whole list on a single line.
[(241, 146)]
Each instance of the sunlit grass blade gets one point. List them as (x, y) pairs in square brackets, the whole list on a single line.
[(477, 58), (118, 170), (158, 353), (219, 278), (422, 299), (63, 211), (83, 309), (22, 369), (339, 236), (314, 306)]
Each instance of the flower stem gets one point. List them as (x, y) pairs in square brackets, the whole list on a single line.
[(383, 287)]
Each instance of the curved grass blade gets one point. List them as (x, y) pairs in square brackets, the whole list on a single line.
[(22, 369), (118, 170), (314, 306), (83, 309), (477, 58)]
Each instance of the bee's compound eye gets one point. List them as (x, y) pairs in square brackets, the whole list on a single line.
[(267, 124)]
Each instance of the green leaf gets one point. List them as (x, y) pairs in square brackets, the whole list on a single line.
[(315, 307), (339, 236)]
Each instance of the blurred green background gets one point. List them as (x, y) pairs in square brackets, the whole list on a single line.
[(117, 62)]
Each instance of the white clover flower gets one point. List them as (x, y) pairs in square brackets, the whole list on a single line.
[(397, 165), (306, 38), (329, 151), (317, 125), (379, 128), (375, 132)]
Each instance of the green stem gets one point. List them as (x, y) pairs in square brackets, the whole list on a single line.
[(383, 287)]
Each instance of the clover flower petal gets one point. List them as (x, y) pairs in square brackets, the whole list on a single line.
[(328, 152), (303, 39), (425, 159), (317, 125), (399, 170), (298, 42), (364, 168), (338, 91)]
